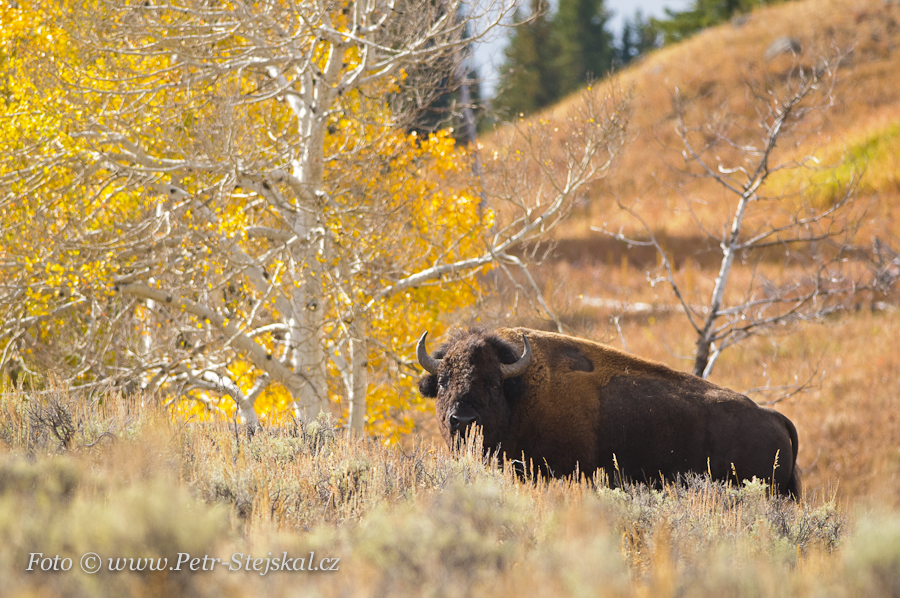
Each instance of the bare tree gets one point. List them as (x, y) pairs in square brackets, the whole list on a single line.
[(251, 210), (767, 213)]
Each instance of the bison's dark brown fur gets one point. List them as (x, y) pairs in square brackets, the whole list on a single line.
[(581, 404)]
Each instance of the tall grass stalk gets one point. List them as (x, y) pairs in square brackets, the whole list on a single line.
[(129, 481)]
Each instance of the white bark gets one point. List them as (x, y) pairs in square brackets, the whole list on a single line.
[(281, 289), (244, 343), (707, 354), (717, 149), (358, 375), (311, 86)]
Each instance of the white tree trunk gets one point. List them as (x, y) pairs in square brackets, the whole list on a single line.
[(247, 413), (292, 273), (308, 354), (359, 380)]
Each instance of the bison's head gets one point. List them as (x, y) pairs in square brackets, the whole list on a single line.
[(475, 379)]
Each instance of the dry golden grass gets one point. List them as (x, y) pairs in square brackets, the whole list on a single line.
[(126, 480), (848, 419), (711, 70)]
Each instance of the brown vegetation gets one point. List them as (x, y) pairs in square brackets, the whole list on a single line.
[(849, 366), (413, 522), (712, 69)]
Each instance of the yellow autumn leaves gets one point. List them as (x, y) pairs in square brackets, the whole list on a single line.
[(91, 141)]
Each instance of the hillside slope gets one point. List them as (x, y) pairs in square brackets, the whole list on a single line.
[(847, 418), (711, 71)]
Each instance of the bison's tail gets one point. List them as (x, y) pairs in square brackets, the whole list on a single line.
[(794, 487)]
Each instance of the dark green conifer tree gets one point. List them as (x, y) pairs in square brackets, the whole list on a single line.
[(585, 46), (528, 78), (548, 58), (639, 36), (679, 25)]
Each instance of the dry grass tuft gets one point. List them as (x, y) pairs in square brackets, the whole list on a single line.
[(403, 522), (849, 416)]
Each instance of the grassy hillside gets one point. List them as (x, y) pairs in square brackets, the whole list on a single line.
[(848, 417), (108, 476), (711, 69)]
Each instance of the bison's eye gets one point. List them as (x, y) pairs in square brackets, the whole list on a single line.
[(442, 381)]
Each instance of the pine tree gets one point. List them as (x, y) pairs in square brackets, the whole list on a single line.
[(549, 58), (639, 36), (585, 45), (529, 79), (703, 13)]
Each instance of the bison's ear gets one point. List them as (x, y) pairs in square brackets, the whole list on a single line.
[(428, 386)]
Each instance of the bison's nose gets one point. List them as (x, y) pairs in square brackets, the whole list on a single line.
[(459, 423)]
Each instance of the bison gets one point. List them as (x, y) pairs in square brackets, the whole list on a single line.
[(567, 405)]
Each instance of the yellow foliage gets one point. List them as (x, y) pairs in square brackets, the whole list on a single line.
[(419, 195), (397, 203)]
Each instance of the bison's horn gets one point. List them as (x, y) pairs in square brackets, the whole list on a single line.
[(518, 368), (428, 362)]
